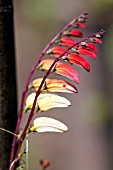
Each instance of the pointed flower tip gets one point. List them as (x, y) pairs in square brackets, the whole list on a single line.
[(46, 124), (48, 51)]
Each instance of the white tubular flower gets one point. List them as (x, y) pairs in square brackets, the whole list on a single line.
[(47, 101), (46, 124)]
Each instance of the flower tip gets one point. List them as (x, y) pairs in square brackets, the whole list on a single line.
[(30, 86), (38, 67), (32, 129), (48, 51), (25, 109), (76, 80)]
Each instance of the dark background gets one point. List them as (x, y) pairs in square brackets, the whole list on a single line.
[(88, 145)]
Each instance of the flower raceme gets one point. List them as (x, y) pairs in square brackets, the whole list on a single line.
[(71, 50), (54, 85), (46, 124), (46, 101)]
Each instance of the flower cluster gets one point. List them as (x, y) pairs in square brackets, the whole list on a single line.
[(71, 48), (68, 49)]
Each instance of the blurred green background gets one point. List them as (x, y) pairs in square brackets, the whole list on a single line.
[(89, 143)]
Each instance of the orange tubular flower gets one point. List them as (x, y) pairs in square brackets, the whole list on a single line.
[(67, 71), (61, 69), (54, 85), (78, 60)]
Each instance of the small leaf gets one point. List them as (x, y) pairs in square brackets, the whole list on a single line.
[(46, 124)]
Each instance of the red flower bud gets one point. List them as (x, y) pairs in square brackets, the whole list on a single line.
[(73, 33), (90, 46), (96, 40), (44, 163), (67, 42), (56, 51), (79, 25), (86, 52)]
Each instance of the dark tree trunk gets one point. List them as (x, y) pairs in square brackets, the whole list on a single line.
[(8, 100)]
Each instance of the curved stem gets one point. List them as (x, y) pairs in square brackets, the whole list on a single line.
[(29, 78)]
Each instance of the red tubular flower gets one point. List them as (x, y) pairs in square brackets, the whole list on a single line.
[(61, 69), (66, 42), (86, 52), (78, 60), (97, 40), (56, 51), (79, 25), (73, 33), (89, 46)]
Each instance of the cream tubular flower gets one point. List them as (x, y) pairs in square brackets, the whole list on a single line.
[(46, 124), (47, 101), (54, 85)]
